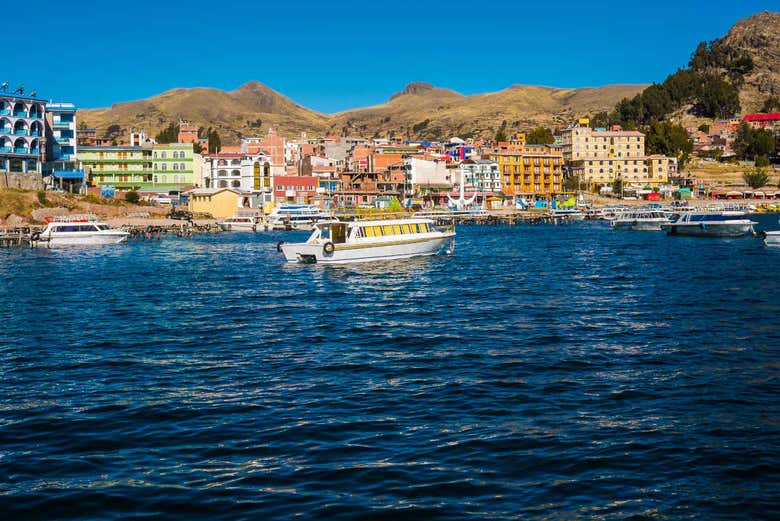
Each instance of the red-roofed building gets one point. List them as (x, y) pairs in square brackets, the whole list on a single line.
[(295, 189)]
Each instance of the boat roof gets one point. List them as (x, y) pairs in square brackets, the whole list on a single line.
[(379, 222)]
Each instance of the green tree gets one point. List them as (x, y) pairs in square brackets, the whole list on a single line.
[(617, 186), (600, 119), (669, 139), (717, 98), (215, 143), (704, 128), (197, 148), (572, 183), (132, 197), (656, 103), (540, 136), (771, 104), (501, 133), (763, 142), (762, 161), (751, 142), (743, 142), (169, 134), (756, 177)]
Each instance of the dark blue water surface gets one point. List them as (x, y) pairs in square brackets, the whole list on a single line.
[(541, 372)]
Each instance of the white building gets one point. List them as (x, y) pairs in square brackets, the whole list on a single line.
[(481, 175), (248, 173), (21, 133), (429, 172)]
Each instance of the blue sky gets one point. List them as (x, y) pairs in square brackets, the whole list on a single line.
[(332, 56)]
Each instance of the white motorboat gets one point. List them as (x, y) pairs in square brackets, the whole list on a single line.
[(241, 223), (296, 217), (709, 224), (335, 242), (568, 213), (771, 238), (78, 231), (640, 220)]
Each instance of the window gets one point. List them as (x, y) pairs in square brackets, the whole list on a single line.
[(406, 229), (163, 155), (164, 167), (175, 166), (181, 166)]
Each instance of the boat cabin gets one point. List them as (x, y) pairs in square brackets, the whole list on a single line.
[(342, 232)]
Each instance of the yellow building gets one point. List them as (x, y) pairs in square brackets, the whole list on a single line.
[(219, 202), (530, 169), (598, 157)]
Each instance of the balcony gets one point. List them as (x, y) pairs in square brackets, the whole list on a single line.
[(21, 150), (5, 150), (20, 114), (64, 140), (5, 112), (6, 130), (61, 124), (20, 132)]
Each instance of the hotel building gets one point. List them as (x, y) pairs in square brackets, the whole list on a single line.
[(21, 133), (62, 164), (530, 169)]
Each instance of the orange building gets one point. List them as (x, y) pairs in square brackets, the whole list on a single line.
[(530, 169), (188, 133)]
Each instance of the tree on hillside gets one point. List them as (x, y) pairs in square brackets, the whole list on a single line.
[(669, 139), (215, 143), (771, 104), (655, 103), (501, 133), (682, 86), (717, 98), (756, 177), (600, 119), (169, 134), (540, 136), (751, 142)]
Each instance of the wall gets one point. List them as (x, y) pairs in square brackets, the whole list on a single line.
[(24, 181)]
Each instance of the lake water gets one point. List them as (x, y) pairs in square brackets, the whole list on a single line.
[(541, 372)]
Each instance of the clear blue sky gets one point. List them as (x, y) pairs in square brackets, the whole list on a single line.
[(333, 56)]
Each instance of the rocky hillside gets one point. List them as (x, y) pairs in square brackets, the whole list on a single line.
[(759, 37)]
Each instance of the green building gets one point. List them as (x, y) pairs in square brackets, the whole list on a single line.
[(122, 167), (160, 168), (172, 166)]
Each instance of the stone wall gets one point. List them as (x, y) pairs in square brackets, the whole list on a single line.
[(18, 180)]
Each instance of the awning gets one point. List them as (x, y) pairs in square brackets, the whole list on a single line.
[(69, 174), (734, 193)]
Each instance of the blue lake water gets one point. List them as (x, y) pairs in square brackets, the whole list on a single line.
[(541, 372)]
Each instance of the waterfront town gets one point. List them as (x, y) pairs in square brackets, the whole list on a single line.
[(43, 146)]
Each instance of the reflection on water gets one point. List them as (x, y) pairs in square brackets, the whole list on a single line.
[(540, 372)]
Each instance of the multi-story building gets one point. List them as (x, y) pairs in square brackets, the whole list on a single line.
[(123, 167), (62, 164), (21, 133), (246, 173), (294, 189), (530, 169), (481, 175), (599, 157), (172, 165)]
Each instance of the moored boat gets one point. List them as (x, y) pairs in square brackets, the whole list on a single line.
[(640, 220), (771, 238), (296, 217), (568, 213), (241, 223), (709, 224), (335, 242), (79, 230)]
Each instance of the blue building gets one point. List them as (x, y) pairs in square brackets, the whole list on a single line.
[(21, 133), (62, 166)]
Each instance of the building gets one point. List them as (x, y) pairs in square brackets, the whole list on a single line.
[(429, 175), (62, 165), (218, 202), (21, 135), (530, 169), (295, 189), (769, 121), (247, 173), (122, 167), (86, 137), (598, 157), (481, 175), (172, 166), (188, 133)]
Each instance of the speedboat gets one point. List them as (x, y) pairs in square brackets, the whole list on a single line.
[(241, 223), (335, 242), (296, 216), (771, 238), (640, 220), (78, 231), (709, 224)]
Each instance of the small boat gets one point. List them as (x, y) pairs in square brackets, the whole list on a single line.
[(335, 242), (709, 224), (241, 223), (640, 220), (296, 217), (78, 230), (568, 213), (771, 238)]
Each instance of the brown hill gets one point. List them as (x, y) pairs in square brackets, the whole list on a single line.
[(243, 111), (419, 111), (758, 36)]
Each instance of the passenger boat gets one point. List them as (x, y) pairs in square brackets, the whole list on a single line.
[(709, 224), (296, 217), (241, 223), (640, 220), (335, 242), (83, 230), (568, 213)]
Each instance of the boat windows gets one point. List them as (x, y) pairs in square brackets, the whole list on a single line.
[(387, 230), (407, 229)]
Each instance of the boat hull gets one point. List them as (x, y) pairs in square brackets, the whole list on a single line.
[(66, 239), (639, 226), (314, 253), (726, 229), (772, 238), (238, 227)]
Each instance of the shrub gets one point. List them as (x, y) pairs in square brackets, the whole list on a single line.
[(756, 178), (132, 197), (42, 198), (762, 161)]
